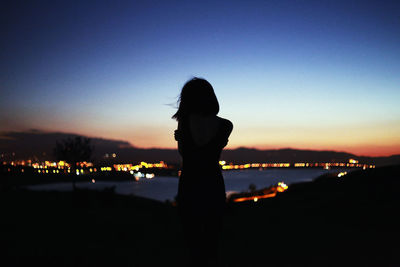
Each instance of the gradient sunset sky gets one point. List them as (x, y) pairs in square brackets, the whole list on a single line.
[(319, 75)]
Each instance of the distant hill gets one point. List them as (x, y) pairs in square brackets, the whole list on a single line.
[(242, 155), (38, 145)]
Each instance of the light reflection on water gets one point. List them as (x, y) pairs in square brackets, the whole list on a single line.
[(165, 188)]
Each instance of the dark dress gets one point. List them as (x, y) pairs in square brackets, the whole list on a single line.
[(201, 192)]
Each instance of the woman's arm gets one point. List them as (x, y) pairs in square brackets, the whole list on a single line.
[(227, 130)]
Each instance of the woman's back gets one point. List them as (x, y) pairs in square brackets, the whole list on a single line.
[(203, 138), (203, 128), (201, 142)]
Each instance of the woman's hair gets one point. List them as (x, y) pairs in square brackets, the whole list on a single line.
[(197, 97)]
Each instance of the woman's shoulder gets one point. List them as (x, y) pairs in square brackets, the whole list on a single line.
[(227, 124)]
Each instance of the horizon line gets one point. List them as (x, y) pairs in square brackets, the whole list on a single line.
[(128, 144)]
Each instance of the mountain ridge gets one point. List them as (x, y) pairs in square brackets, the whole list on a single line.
[(38, 145)]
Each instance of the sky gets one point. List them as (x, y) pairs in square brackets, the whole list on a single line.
[(320, 75)]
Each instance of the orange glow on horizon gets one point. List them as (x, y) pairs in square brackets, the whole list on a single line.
[(355, 142), (379, 139)]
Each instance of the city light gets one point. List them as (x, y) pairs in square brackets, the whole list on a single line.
[(264, 193), (84, 167), (324, 165), (149, 175)]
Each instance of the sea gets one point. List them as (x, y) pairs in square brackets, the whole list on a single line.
[(164, 188)]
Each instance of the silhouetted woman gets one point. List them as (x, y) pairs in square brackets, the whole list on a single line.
[(201, 136)]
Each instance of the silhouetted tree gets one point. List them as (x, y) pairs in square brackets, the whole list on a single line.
[(73, 150)]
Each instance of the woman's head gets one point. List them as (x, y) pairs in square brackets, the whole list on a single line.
[(197, 97)]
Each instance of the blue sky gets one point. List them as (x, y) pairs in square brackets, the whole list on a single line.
[(302, 74)]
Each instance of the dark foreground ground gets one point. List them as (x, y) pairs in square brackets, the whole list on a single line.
[(349, 221)]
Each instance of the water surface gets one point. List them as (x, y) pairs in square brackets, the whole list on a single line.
[(165, 188)]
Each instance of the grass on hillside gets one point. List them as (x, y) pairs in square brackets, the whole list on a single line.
[(347, 221)]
